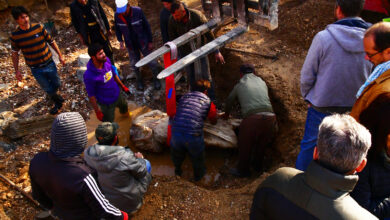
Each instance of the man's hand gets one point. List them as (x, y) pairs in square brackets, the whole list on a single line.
[(219, 58), (62, 60), (99, 115), (150, 46), (19, 76), (122, 45), (139, 155), (225, 116), (126, 90)]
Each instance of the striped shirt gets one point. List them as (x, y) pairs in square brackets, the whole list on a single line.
[(33, 44)]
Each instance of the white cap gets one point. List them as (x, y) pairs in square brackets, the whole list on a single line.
[(121, 5)]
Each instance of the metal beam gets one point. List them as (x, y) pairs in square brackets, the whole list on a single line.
[(185, 38), (203, 51)]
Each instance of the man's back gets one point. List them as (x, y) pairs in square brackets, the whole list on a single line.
[(335, 66), (317, 193)]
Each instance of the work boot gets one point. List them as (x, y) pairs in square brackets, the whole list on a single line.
[(140, 84), (157, 84)]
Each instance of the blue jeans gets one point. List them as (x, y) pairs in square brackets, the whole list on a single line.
[(181, 144), (309, 141), (47, 78)]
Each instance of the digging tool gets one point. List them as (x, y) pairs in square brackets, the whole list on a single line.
[(272, 57), (203, 51)]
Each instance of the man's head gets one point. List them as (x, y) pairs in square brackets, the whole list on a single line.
[(83, 2), (106, 133), (21, 16), (377, 43), (202, 85), (246, 69), (167, 4), (95, 51), (348, 8), (342, 144), (178, 11), (68, 135), (122, 6)]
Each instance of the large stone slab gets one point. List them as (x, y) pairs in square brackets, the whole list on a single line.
[(25, 3), (149, 132), (3, 4)]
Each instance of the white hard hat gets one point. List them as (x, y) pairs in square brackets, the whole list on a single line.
[(121, 5)]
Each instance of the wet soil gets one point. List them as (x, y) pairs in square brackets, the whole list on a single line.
[(221, 196)]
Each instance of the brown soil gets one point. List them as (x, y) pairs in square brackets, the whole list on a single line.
[(170, 197)]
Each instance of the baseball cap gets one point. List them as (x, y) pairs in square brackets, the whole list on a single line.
[(106, 131), (121, 5)]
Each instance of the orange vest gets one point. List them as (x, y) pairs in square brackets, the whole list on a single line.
[(378, 87)]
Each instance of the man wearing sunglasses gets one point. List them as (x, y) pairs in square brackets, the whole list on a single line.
[(333, 72)]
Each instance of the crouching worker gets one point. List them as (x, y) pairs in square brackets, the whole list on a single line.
[(187, 128), (123, 175), (259, 125), (322, 191), (62, 181)]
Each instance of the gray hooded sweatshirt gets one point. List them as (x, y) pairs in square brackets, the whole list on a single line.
[(123, 178), (335, 67)]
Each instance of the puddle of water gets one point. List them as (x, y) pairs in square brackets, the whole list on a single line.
[(161, 162)]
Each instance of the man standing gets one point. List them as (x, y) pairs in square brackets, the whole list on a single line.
[(377, 87), (259, 124), (164, 19), (322, 191), (61, 180), (91, 24), (103, 85), (182, 21), (187, 129), (123, 175), (333, 71), (32, 40), (132, 26)]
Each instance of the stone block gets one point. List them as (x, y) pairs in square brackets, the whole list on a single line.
[(80, 73), (83, 59), (24, 3), (23, 127)]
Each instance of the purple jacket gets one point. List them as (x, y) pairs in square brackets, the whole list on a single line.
[(101, 83), (136, 33)]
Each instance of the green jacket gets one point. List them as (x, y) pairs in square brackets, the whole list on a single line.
[(252, 94), (176, 29), (320, 192)]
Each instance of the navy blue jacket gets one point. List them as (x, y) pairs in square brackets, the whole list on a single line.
[(191, 113), (136, 33), (68, 187)]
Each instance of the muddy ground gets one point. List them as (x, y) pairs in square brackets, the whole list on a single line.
[(170, 197)]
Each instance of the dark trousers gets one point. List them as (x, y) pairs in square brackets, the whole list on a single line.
[(256, 132), (181, 144), (205, 70), (109, 110)]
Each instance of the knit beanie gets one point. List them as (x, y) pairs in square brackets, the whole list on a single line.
[(68, 135)]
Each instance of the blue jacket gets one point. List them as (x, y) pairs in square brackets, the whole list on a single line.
[(191, 113), (136, 33)]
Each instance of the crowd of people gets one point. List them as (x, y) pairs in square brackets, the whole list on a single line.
[(344, 160)]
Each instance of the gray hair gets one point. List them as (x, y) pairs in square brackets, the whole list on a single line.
[(342, 143)]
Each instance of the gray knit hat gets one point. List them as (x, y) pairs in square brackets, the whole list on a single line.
[(68, 135)]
